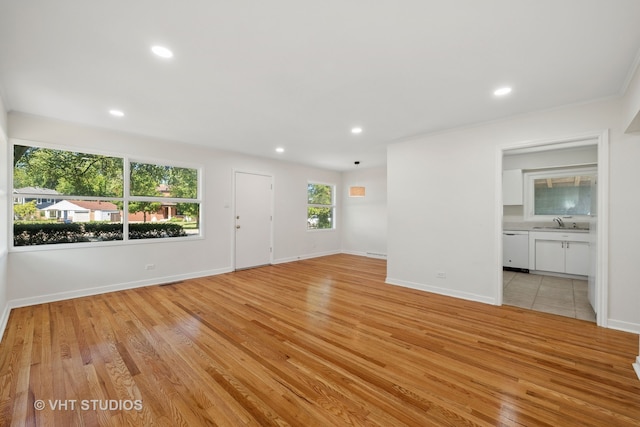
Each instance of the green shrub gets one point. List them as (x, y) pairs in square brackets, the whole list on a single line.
[(47, 234), (30, 234), (154, 230), (104, 231)]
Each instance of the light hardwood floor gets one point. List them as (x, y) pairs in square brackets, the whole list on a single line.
[(320, 342)]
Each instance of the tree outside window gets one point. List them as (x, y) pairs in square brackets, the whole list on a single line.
[(320, 206)]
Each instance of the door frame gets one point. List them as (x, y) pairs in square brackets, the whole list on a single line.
[(602, 217), (234, 173)]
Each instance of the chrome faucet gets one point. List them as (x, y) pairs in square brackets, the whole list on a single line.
[(559, 221)]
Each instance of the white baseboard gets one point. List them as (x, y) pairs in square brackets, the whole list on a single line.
[(623, 326), (306, 256), (440, 291), (368, 254), (636, 366), (59, 296), (357, 253), (6, 310)]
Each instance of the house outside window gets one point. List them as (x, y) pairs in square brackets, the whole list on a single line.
[(320, 206)]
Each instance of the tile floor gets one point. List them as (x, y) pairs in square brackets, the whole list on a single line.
[(556, 295)]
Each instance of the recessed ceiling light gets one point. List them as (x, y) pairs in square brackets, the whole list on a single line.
[(280, 150), (356, 130), (502, 91), (116, 113), (162, 51)]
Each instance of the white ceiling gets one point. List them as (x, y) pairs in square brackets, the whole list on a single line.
[(251, 75)]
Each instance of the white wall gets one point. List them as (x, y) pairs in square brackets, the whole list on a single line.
[(54, 273), (443, 215), (4, 221), (364, 220), (551, 158), (631, 102)]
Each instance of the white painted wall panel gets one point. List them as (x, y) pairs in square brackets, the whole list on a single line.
[(442, 198), (365, 218), (74, 271), (631, 102)]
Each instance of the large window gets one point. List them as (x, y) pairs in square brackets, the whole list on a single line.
[(560, 192), (63, 196), (320, 206)]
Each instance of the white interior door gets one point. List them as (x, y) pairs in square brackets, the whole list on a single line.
[(253, 216)]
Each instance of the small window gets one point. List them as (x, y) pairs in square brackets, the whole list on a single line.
[(320, 206), (560, 192)]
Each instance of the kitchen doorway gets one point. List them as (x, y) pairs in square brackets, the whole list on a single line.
[(590, 281)]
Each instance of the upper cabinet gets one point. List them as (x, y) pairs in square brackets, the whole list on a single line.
[(512, 187)]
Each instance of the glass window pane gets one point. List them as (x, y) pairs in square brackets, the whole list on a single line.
[(569, 195), (319, 218), (66, 221), (59, 172), (152, 220), (163, 181), (320, 194), (320, 210)]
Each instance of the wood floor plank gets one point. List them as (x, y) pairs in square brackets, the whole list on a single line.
[(320, 342)]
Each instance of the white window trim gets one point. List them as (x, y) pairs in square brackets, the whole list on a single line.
[(529, 193), (332, 206)]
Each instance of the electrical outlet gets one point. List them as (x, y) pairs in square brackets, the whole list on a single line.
[(441, 275), (150, 267)]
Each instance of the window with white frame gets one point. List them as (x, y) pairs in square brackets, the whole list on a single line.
[(320, 206), (564, 192), (95, 203)]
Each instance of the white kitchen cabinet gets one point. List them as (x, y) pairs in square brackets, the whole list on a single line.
[(550, 256), (512, 187), (577, 258), (562, 256)]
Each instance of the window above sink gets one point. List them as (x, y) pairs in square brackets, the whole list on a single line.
[(564, 192)]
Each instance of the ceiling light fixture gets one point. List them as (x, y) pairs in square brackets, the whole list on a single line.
[(502, 91), (116, 113), (280, 150), (357, 190), (162, 52), (356, 130)]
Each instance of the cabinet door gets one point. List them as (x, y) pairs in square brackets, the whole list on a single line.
[(577, 258), (512, 187), (550, 255)]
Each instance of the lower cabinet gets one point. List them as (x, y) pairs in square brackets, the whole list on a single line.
[(576, 259), (562, 256)]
